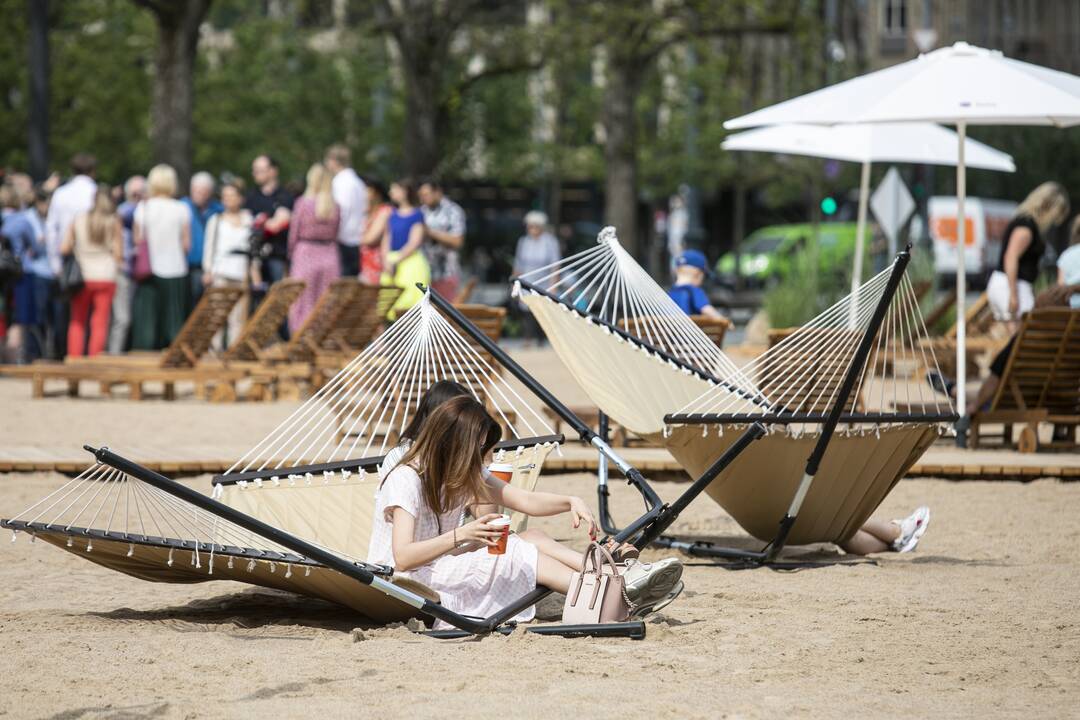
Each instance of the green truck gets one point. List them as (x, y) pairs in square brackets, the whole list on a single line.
[(767, 254)]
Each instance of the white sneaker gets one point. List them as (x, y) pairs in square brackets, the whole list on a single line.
[(650, 586), (911, 529)]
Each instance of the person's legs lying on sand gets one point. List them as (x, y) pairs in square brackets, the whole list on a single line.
[(897, 535)]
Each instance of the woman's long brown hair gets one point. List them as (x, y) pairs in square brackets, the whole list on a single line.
[(101, 221), (449, 453)]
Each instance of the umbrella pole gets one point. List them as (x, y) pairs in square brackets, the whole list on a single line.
[(860, 229), (961, 290)]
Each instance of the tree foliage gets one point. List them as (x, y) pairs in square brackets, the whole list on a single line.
[(471, 89)]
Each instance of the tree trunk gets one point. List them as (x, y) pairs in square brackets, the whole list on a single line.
[(38, 11), (423, 126), (620, 151), (170, 112)]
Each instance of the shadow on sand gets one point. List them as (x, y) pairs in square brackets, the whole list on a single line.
[(277, 614)]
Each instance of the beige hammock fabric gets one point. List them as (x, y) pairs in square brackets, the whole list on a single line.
[(339, 514), (153, 564), (637, 388), (135, 528), (634, 388), (856, 474)]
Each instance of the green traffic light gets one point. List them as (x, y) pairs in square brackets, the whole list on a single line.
[(828, 206)]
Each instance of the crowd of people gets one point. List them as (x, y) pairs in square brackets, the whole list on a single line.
[(87, 268)]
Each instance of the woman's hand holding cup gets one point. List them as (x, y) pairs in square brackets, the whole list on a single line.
[(481, 531)]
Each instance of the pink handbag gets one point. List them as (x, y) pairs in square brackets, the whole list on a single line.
[(140, 269), (597, 594)]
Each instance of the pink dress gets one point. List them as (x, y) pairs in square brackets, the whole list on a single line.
[(473, 582), (313, 256)]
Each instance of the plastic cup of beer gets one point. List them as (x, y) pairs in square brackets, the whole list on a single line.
[(503, 471), (500, 523)]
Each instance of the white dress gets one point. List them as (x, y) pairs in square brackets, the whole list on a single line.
[(472, 582)]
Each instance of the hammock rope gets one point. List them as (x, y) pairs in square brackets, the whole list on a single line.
[(798, 377), (359, 413)]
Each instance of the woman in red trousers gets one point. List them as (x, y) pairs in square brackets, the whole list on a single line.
[(96, 239)]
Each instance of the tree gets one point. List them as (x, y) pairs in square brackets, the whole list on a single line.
[(178, 24), (437, 71), (630, 37)]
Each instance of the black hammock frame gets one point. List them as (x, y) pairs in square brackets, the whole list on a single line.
[(645, 530), (649, 528)]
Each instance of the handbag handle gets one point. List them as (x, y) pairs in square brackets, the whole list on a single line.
[(598, 556), (595, 555)]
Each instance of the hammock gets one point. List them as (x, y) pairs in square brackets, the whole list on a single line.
[(300, 486), (649, 367)]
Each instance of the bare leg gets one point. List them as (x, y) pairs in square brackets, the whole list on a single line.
[(873, 537), (552, 574), (571, 559)]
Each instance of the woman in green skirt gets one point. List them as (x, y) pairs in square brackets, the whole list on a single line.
[(162, 301)]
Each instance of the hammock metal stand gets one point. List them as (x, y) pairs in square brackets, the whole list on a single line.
[(659, 516), (371, 575)]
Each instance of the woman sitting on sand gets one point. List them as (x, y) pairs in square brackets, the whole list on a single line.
[(420, 503)]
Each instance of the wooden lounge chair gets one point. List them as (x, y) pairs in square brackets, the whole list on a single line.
[(985, 336), (469, 370), (807, 376), (180, 362), (714, 327), (1041, 383), (261, 329), (190, 345), (345, 319)]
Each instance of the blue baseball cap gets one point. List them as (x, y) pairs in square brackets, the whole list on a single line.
[(693, 258)]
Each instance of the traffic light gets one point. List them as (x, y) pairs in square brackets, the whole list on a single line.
[(828, 205)]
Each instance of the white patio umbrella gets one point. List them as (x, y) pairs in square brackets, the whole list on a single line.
[(923, 143), (960, 85)]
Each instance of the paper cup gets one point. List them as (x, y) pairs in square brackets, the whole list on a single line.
[(503, 471), (502, 523)]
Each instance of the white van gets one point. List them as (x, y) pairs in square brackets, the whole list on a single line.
[(985, 223)]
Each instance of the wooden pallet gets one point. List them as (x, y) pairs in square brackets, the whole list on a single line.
[(942, 463)]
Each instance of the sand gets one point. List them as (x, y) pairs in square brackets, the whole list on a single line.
[(981, 620)]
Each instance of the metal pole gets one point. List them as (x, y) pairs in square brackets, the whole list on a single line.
[(961, 289), (669, 514), (860, 230), (602, 493)]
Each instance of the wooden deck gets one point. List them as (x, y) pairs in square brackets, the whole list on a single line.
[(938, 462)]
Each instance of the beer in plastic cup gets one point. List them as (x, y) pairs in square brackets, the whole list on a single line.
[(503, 471), (501, 523)]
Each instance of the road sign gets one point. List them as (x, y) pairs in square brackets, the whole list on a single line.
[(892, 205)]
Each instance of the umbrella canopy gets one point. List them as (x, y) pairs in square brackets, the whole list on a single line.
[(924, 143), (953, 85), (960, 85)]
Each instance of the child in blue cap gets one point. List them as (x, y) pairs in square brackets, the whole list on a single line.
[(690, 270)]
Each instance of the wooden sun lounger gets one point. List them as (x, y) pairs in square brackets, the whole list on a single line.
[(810, 370), (259, 332), (1041, 382), (189, 346), (490, 320), (177, 363), (715, 328), (345, 319), (984, 338)]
